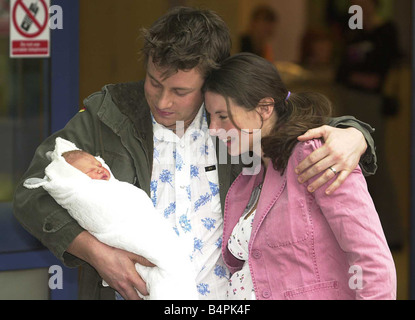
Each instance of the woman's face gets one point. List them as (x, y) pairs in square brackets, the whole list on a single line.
[(238, 141)]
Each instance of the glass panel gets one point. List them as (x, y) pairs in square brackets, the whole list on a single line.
[(24, 109), (25, 285)]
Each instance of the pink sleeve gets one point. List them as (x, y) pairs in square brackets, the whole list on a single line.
[(353, 218)]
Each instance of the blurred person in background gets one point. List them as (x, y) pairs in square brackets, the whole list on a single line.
[(262, 28), (368, 56)]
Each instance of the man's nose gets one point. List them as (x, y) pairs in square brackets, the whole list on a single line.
[(165, 101)]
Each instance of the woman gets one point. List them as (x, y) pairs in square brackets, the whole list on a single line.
[(281, 241)]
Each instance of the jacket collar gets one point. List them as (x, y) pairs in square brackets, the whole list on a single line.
[(273, 185), (127, 101), (198, 125), (240, 192)]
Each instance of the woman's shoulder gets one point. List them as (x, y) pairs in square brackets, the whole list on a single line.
[(303, 149)]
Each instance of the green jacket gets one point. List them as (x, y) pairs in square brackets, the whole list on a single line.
[(116, 125)]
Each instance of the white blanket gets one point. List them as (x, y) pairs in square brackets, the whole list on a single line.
[(122, 216)]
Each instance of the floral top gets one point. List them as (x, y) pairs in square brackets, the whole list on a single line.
[(240, 286)]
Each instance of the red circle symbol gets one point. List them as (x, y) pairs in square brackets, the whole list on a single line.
[(40, 26)]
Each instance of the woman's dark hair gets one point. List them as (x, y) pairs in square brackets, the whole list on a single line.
[(186, 38), (247, 79)]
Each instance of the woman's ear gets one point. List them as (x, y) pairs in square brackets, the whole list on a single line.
[(266, 108)]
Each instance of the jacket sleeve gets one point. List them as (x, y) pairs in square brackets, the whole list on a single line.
[(351, 215), (36, 210), (368, 162)]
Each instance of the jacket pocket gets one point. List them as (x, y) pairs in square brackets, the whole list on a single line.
[(328, 290), (56, 220), (287, 224)]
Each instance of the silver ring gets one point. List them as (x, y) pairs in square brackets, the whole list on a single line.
[(334, 170)]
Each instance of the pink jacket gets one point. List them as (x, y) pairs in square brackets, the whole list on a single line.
[(311, 246)]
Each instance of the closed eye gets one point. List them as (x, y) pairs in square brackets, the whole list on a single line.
[(155, 84), (181, 93)]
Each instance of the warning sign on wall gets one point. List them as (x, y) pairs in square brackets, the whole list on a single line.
[(29, 29)]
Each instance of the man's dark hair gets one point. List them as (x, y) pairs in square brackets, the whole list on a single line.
[(186, 38)]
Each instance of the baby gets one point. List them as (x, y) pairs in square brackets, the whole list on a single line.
[(120, 215), (87, 164)]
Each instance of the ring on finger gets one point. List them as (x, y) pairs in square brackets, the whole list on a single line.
[(333, 170)]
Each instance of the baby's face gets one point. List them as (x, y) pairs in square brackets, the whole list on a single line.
[(91, 167)]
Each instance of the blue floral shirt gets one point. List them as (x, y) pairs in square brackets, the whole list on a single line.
[(185, 191)]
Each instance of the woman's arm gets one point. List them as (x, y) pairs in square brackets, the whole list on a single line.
[(352, 217)]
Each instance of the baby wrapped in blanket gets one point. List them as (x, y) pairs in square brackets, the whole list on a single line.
[(119, 215)]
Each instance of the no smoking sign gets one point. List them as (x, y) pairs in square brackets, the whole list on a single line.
[(29, 29)]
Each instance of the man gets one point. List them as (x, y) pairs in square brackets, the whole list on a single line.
[(154, 134)]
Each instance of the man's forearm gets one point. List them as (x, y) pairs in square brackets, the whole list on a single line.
[(86, 247)]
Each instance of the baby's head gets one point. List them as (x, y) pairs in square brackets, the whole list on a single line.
[(87, 164)]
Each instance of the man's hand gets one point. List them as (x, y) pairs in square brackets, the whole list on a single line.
[(341, 151), (115, 266)]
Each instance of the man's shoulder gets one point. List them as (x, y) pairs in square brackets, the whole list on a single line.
[(127, 97), (125, 91), (119, 91)]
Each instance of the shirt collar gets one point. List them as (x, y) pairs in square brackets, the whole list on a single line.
[(199, 124)]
